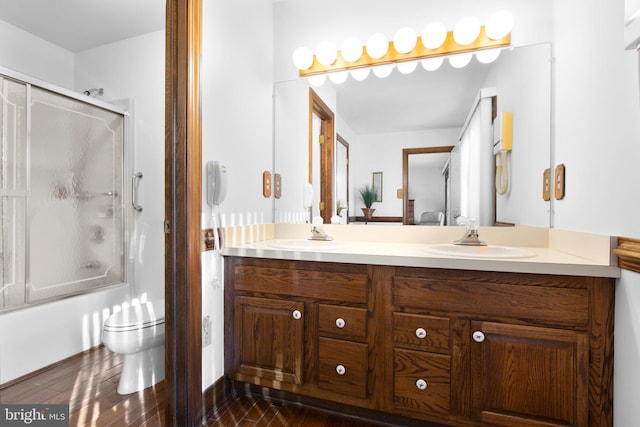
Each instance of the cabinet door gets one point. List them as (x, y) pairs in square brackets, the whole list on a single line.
[(269, 339), (529, 376)]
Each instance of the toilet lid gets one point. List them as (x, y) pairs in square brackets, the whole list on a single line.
[(140, 316)]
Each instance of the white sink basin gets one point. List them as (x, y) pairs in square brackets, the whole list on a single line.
[(479, 251), (305, 244)]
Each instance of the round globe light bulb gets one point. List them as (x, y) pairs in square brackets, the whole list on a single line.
[(434, 35), (302, 58), (405, 40), (351, 49), (466, 30), (338, 77), (432, 64), (360, 74), (377, 46), (326, 53), (383, 71), (407, 67), (460, 61), (499, 24), (487, 56), (318, 80)]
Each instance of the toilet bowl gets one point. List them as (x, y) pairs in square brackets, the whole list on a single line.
[(137, 333)]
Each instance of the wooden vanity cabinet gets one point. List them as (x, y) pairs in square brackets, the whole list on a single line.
[(521, 349), (299, 327), (452, 347)]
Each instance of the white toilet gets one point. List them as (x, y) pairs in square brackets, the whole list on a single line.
[(138, 334)]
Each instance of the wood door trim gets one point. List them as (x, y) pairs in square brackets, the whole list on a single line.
[(318, 106), (183, 203), (628, 253), (345, 144), (405, 171)]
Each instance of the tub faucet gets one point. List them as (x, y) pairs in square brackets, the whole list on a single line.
[(471, 236)]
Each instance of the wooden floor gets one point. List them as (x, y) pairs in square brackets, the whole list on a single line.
[(88, 382)]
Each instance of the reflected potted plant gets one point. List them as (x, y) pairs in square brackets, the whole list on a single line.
[(368, 195)]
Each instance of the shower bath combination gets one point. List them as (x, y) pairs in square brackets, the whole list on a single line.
[(62, 193)]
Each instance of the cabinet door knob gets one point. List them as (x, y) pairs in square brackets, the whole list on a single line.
[(421, 384), (478, 336), (340, 323), (421, 333), (296, 314), (341, 370)]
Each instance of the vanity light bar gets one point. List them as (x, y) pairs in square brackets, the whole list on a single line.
[(449, 47)]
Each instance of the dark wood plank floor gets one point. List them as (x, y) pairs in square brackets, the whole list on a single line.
[(88, 381)]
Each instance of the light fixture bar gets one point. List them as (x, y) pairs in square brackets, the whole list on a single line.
[(449, 47)]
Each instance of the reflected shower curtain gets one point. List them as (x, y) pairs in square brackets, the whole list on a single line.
[(62, 209)]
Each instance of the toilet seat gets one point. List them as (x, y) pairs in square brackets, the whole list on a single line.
[(143, 316)]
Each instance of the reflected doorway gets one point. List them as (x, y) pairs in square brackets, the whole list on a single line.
[(321, 129), (426, 186), (342, 179)]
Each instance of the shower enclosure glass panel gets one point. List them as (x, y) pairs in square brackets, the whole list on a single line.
[(61, 194), (13, 192)]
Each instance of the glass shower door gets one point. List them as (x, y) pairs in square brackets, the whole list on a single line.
[(75, 208)]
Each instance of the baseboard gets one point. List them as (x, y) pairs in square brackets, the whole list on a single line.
[(216, 394)]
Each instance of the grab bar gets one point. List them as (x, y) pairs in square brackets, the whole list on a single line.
[(134, 192)]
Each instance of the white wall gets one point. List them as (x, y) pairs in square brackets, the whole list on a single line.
[(597, 129), (237, 120), (28, 54)]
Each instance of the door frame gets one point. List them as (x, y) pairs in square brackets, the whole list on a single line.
[(183, 204), (318, 106), (406, 152)]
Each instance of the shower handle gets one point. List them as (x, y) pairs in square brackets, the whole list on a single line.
[(134, 191)]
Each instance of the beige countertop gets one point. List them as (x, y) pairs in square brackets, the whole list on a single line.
[(556, 251)]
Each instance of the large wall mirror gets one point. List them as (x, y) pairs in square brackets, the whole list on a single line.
[(381, 117)]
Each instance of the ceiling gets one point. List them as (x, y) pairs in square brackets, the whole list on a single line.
[(77, 25), (417, 101)]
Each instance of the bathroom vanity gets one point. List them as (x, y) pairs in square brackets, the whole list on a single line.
[(453, 346)]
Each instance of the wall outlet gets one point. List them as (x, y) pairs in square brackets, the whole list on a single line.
[(206, 331)]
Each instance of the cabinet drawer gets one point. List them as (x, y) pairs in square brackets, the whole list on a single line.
[(420, 332), (343, 367), (422, 382), (343, 322), (325, 284)]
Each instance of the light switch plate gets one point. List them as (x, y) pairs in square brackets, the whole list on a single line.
[(277, 186), (546, 185), (266, 184), (558, 182)]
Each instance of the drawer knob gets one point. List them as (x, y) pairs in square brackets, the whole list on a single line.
[(421, 333), (296, 314), (421, 384), (341, 370), (340, 323), (478, 336)]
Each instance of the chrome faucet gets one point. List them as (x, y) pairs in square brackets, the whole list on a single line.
[(317, 233), (471, 236)]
